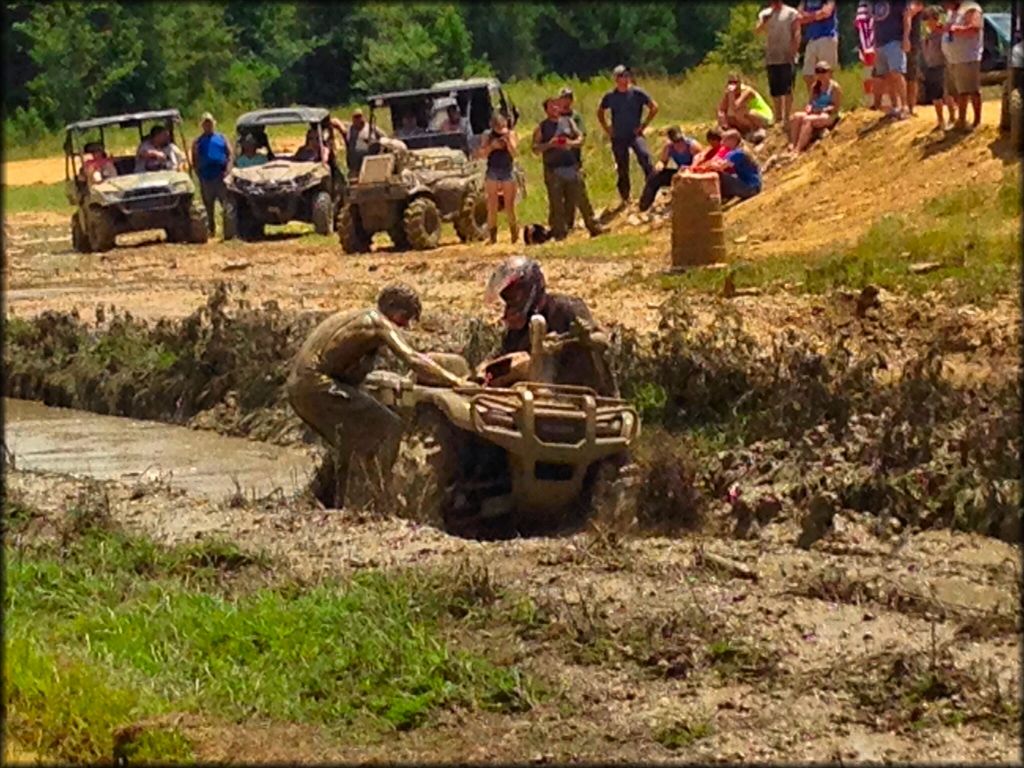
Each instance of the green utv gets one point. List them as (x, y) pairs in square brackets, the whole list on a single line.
[(268, 187), (408, 190), (115, 192)]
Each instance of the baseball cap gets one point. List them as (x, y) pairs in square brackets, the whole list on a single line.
[(674, 134), (822, 66), (206, 116), (566, 92), (357, 112), (621, 69)]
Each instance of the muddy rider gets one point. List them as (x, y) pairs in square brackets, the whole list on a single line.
[(519, 282), (323, 386)]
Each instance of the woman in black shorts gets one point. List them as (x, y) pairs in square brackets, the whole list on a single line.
[(499, 147)]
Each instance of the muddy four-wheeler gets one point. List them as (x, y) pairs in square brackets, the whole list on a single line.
[(409, 192), (111, 197), (301, 186), (520, 459)]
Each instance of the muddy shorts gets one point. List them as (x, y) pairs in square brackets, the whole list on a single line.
[(342, 414), (963, 79)]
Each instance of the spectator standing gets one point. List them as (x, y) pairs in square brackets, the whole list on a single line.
[(935, 67), (358, 136), (780, 23), (962, 47), (554, 139), (679, 150), (499, 147), (864, 23), (744, 109), (892, 41), (821, 36), (568, 110), (914, 9), (626, 103), (211, 157)]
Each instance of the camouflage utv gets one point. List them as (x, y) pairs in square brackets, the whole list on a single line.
[(409, 191), (283, 187), (492, 462), (111, 197)]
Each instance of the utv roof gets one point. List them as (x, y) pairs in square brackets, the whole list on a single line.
[(443, 88), (125, 120), (281, 116)]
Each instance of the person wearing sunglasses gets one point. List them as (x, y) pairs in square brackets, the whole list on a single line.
[(822, 111)]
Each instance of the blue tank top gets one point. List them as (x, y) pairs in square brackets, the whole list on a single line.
[(685, 158), (822, 98), (825, 27), (213, 156)]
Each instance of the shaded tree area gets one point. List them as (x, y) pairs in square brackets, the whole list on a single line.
[(66, 60)]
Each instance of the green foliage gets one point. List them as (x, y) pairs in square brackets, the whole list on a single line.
[(737, 45), (157, 629), (37, 197)]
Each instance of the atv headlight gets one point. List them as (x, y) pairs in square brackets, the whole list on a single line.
[(180, 186), (303, 180)]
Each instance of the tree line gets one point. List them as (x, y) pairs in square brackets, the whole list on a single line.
[(68, 60)]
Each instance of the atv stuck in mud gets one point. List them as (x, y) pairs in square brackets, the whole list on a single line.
[(112, 195), (306, 186), (411, 191), (502, 461)]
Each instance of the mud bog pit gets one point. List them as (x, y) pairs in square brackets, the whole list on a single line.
[(111, 448)]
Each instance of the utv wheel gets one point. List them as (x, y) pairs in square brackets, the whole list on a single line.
[(351, 235), (1016, 107), (422, 224), (102, 236), (397, 235), (322, 208), (197, 230), (78, 239), (230, 225), (471, 223), (249, 227)]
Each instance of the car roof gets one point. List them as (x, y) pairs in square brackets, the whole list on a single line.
[(444, 88), (281, 116), (125, 120)]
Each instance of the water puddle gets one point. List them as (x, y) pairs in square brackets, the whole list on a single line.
[(113, 448)]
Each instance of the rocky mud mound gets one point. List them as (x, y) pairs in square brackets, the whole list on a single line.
[(859, 418)]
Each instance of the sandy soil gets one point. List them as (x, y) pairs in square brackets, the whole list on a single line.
[(802, 706)]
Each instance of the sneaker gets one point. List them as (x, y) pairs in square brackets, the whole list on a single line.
[(598, 231)]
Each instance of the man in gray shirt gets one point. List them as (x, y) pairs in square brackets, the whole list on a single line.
[(627, 103), (780, 23)]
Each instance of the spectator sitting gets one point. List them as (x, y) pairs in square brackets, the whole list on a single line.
[(822, 111), (744, 109), (681, 151), (409, 127), (249, 157), (158, 153), (738, 173), (99, 166), (454, 122), (312, 149), (714, 149)]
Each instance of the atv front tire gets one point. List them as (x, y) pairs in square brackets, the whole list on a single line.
[(471, 223), (78, 239), (422, 224), (322, 209), (351, 235)]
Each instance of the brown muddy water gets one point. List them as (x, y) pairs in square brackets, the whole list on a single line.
[(38, 437)]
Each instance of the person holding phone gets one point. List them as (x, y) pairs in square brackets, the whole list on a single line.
[(499, 147)]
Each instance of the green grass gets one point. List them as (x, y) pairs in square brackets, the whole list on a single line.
[(158, 630), (973, 234), (36, 197)]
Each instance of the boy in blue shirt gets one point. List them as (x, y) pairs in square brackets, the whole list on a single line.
[(738, 172), (211, 157)]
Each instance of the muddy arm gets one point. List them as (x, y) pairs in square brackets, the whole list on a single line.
[(420, 363)]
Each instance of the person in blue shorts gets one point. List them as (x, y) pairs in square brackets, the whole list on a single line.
[(892, 44)]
